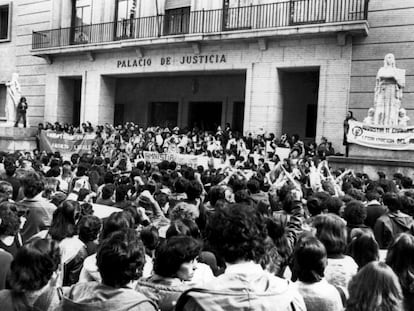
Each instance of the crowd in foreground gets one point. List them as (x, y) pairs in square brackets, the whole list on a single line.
[(297, 236)]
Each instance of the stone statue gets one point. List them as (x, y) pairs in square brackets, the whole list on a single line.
[(388, 93), (402, 117), (13, 98)]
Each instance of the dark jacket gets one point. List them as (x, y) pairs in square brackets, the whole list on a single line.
[(22, 107), (374, 211), (390, 225)]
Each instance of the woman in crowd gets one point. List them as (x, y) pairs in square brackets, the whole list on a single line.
[(400, 258), (33, 285), (331, 231), (310, 260), (174, 264), (375, 287), (10, 239), (120, 260), (364, 249)]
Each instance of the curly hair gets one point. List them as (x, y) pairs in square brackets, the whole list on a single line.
[(121, 258), (44, 258), (9, 220), (32, 184), (177, 250), (89, 228), (237, 232), (375, 287), (355, 213), (115, 222)]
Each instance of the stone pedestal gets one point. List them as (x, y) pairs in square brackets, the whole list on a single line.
[(15, 138), (371, 161)]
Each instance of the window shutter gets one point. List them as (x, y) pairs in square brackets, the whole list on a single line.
[(175, 4)]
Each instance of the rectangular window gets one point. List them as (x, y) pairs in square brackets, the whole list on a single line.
[(81, 20), (125, 18), (5, 17), (3, 98), (177, 21)]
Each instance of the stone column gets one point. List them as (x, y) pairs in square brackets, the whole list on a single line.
[(98, 100), (51, 97), (66, 11), (263, 105)]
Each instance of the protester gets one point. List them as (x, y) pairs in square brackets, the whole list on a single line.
[(247, 208), (331, 231), (388, 226), (10, 240), (33, 285), (400, 258), (120, 260), (310, 260), (175, 263), (237, 233), (375, 287)]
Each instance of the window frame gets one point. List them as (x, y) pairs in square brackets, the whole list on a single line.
[(3, 113), (9, 24)]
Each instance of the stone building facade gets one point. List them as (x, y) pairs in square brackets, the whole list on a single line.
[(279, 66)]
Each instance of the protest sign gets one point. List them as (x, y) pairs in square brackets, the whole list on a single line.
[(182, 159), (65, 143), (381, 137)]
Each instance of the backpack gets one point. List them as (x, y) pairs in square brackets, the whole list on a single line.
[(229, 300)]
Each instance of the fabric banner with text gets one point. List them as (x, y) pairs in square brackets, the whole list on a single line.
[(182, 159), (381, 137), (65, 143)]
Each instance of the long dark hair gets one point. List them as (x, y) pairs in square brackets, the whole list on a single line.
[(400, 258), (64, 220)]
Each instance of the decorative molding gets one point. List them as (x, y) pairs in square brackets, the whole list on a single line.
[(341, 38), (196, 48), (139, 52), (90, 56)]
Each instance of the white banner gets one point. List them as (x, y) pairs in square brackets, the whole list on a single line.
[(381, 137), (187, 159)]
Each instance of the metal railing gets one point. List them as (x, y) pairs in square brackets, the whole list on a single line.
[(273, 15)]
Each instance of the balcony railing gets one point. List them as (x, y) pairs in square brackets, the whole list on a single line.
[(253, 17)]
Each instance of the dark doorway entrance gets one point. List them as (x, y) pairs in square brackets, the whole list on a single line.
[(77, 97), (238, 117), (205, 115), (300, 101), (69, 100), (164, 114)]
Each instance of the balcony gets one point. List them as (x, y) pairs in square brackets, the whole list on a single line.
[(281, 19)]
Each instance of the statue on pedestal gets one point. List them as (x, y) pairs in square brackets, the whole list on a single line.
[(13, 97), (388, 93)]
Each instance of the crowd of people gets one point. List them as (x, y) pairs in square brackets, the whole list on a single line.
[(294, 235), (133, 139)]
